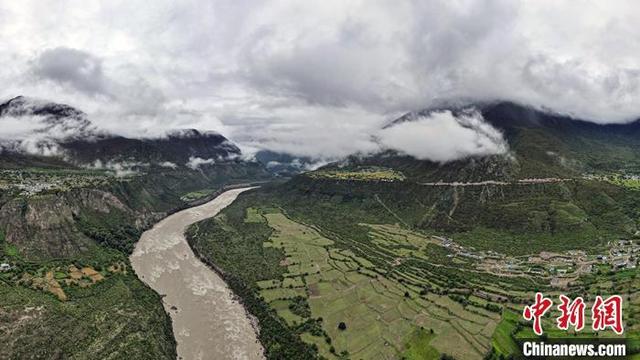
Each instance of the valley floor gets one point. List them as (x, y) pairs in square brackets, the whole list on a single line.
[(372, 290), (207, 321)]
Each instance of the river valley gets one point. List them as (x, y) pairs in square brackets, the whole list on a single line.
[(207, 322)]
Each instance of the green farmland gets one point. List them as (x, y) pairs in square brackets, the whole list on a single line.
[(372, 173), (376, 290)]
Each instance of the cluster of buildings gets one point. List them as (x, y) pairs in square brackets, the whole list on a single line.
[(560, 268), (28, 183), (623, 254)]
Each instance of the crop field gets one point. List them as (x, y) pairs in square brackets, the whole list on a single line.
[(195, 195), (118, 317), (362, 290), (631, 183), (359, 174), (384, 315)]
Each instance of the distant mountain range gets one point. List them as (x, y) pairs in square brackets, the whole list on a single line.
[(541, 144), (57, 134)]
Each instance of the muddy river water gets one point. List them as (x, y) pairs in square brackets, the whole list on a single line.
[(207, 322)]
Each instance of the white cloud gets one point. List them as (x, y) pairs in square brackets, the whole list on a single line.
[(168, 164), (118, 168), (316, 78), (195, 162), (443, 137)]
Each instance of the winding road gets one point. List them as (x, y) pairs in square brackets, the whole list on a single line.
[(207, 322)]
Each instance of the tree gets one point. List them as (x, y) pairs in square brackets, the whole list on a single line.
[(342, 326)]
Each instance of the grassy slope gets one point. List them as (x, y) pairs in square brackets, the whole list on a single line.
[(116, 318), (339, 281), (236, 239), (584, 214), (119, 318), (337, 212), (418, 347)]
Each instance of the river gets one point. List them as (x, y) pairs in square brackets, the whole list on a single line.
[(207, 322)]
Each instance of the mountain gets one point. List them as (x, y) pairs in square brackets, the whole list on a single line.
[(153, 177), (285, 165), (74, 200), (52, 115), (389, 256), (176, 148), (561, 178), (378, 256), (57, 134), (541, 145)]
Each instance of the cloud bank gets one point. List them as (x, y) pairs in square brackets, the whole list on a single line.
[(78, 69), (319, 78), (443, 137)]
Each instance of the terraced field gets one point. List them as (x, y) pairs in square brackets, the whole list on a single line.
[(118, 317), (368, 291), (383, 310), (370, 173)]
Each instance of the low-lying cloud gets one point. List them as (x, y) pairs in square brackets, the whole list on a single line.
[(32, 135), (318, 78), (118, 168), (195, 162), (442, 136), (22, 130)]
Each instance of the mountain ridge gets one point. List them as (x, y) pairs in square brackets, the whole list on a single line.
[(63, 133), (540, 145)]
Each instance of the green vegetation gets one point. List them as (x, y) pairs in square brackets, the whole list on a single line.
[(8, 250), (89, 307), (370, 173), (119, 318), (381, 302), (502, 341), (324, 253), (70, 291), (113, 229), (195, 195), (234, 239), (418, 347), (513, 219), (254, 216), (627, 182)]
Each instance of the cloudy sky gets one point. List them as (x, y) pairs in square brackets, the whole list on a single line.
[(319, 78)]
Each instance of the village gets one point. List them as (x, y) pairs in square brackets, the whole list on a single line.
[(29, 183), (561, 269)]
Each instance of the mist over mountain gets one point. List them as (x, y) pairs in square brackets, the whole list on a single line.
[(62, 133), (318, 80), (339, 179), (486, 139), (505, 141)]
